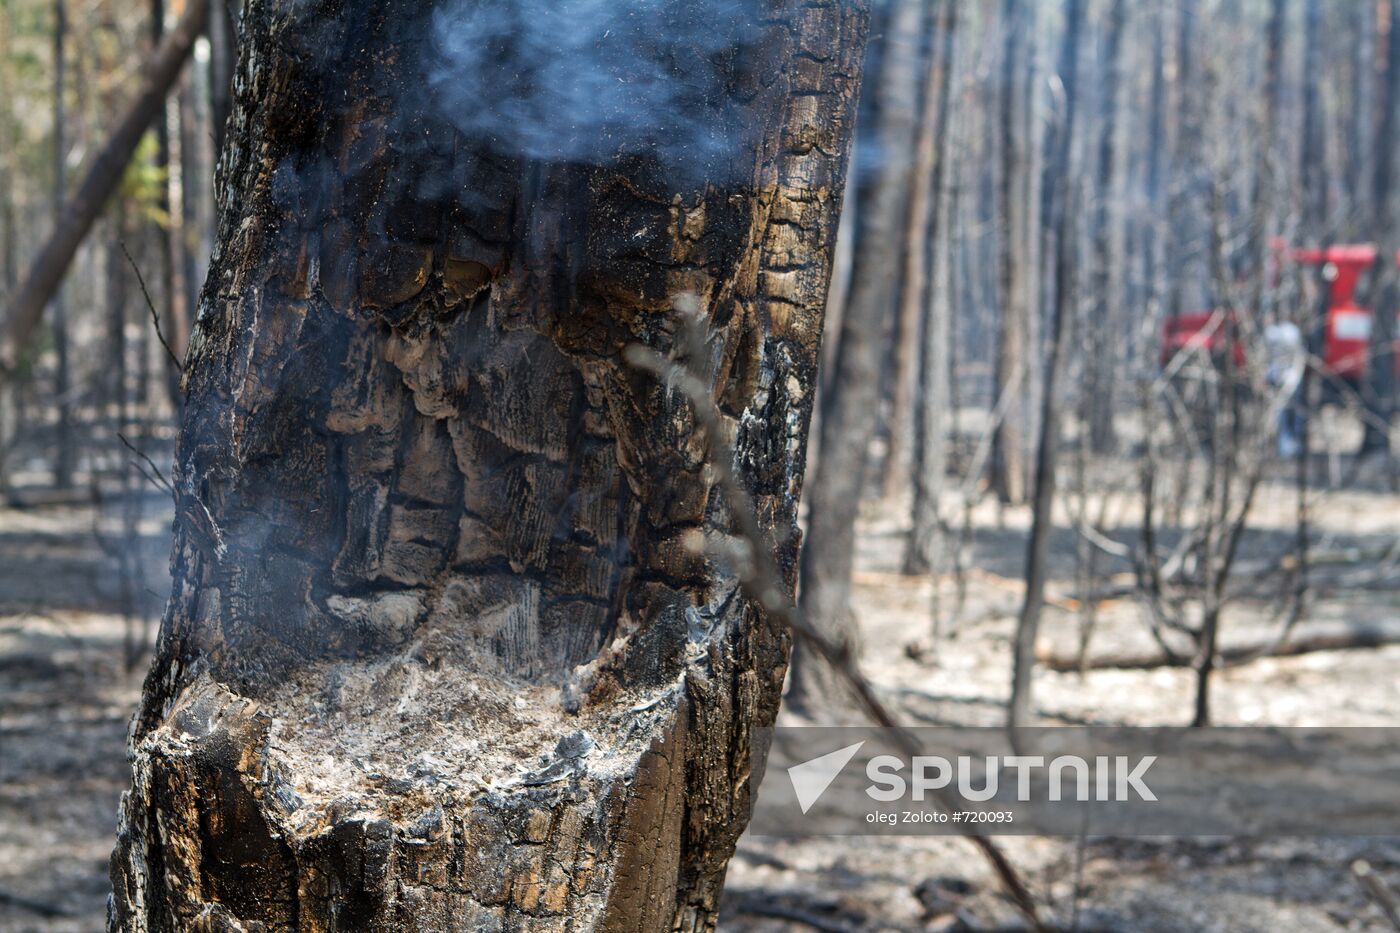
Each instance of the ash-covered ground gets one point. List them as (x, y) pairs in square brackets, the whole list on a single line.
[(1125, 885), (68, 571)]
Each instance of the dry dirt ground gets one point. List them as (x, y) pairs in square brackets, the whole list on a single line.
[(65, 699)]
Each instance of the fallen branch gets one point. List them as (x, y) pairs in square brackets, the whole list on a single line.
[(39, 497), (1344, 557), (1356, 637), (51, 263), (755, 906), (882, 578), (41, 908)]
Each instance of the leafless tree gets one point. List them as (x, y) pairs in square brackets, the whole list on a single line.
[(847, 426), (1060, 220)]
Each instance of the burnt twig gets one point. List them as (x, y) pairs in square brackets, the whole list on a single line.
[(155, 318), (155, 476)]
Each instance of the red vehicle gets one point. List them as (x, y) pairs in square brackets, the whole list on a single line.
[(1203, 332), (1346, 330)]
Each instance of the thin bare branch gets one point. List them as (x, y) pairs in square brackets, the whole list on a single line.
[(151, 305), (158, 479)]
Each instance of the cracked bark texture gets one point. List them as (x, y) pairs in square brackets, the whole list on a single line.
[(444, 651)]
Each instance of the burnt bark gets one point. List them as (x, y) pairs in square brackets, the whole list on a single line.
[(445, 650)]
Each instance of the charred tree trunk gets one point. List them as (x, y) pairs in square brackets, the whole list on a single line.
[(1360, 33), (115, 286), (445, 651), (185, 221), (114, 278), (8, 208), (1385, 289), (66, 450), (9, 142), (1312, 318), (1312, 151), (171, 293), (908, 268), (929, 210), (839, 292), (1021, 706), (1264, 200), (847, 421), (1184, 176), (222, 52), (1102, 340), (1007, 465), (1153, 240)]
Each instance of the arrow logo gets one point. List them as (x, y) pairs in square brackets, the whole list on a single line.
[(811, 778)]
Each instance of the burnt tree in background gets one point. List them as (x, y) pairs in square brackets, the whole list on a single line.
[(928, 209), (9, 133), (101, 175), (848, 419), (1105, 259), (66, 452), (1060, 223), (1009, 374), (1380, 388), (444, 650)]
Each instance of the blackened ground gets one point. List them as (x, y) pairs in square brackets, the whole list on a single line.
[(65, 699), (66, 696)]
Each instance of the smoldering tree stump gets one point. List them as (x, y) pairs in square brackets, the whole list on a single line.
[(442, 652)]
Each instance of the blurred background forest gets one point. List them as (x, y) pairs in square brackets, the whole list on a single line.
[(1104, 433)]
